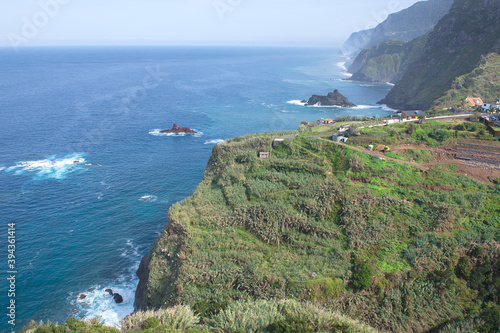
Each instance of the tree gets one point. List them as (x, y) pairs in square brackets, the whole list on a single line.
[(353, 130), (410, 129)]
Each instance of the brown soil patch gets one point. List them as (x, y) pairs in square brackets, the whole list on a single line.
[(476, 162)]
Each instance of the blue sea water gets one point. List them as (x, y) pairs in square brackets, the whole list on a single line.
[(88, 181)]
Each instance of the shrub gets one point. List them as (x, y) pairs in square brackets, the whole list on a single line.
[(439, 134), (207, 309), (291, 324), (362, 277), (356, 162), (150, 323), (178, 317), (410, 129), (353, 130), (282, 316), (72, 325), (491, 318)]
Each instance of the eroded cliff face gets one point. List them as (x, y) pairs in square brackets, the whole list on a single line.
[(159, 270), (388, 61), (454, 48)]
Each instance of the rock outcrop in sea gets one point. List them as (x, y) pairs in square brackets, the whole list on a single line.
[(176, 129), (334, 98)]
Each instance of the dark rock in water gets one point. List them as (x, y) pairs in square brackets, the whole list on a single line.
[(334, 98), (303, 101), (82, 296), (109, 291), (176, 129), (118, 298)]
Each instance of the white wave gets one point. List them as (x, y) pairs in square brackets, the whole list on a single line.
[(214, 141), (270, 106), (97, 302), (366, 107), (377, 106), (130, 250), (304, 82), (342, 65), (324, 106), (51, 167), (296, 102), (156, 132), (386, 108), (2, 168), (148, 197)]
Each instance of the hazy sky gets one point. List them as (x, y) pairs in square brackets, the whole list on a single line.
[(125, 22)]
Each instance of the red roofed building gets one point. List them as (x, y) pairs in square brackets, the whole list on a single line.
[(474, 101)]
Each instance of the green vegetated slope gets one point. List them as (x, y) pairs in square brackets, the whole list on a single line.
[(456, 47), (405, 25), (388, 61), (483, 81), (318, 223)]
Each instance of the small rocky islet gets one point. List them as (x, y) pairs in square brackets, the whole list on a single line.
[(176, 129), (334, 98)]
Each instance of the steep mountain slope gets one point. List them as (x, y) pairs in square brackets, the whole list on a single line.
[(404, 25), (483, 81), (388, 61), (454, 48)]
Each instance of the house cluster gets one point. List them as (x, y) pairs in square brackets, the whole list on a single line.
[(486, 107), (326, 121), (493, 123), (414, 115)]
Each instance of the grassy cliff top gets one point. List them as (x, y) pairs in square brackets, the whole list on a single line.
[(389, 243)]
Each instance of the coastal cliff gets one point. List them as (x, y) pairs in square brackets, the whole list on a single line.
[(463, 44), (404, 25), (388, 61), (319, 222)]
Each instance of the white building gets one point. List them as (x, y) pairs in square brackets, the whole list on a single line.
[(487, 106)]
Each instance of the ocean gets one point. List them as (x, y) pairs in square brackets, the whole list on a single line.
[(86, 180)]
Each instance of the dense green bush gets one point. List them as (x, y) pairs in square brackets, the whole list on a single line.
[(439, 135), (363, 276), (72, 325)]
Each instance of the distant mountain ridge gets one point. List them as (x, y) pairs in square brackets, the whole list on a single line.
[(404, 25), (459, 49)]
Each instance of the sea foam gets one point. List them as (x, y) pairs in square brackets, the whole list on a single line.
[(99, 303), (296, 102), (214, 141), (52, 167), (148, 197), (157, 132)]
